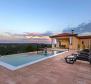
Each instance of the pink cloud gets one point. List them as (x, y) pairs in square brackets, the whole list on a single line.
[(25, 38)]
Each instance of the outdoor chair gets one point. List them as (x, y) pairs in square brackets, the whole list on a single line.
[(84, 56)]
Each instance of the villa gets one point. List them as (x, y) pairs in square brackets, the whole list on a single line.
[(71, 41), (31, 68)]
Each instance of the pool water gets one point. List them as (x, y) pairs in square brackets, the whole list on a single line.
[(19, 59)]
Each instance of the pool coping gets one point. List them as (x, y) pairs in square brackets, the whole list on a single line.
[(11, 67)]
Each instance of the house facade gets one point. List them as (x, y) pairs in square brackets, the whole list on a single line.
[(71, 41)]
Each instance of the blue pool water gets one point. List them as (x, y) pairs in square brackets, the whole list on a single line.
[(20, 59), (17, 61)]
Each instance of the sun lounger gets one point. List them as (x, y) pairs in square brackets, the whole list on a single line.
[(84, 56)]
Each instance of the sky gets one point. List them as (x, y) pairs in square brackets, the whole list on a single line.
[(19, 16)]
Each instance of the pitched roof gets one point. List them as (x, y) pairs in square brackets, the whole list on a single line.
[(85, 37), (63, 34)]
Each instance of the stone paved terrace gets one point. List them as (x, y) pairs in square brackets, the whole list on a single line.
[(50, 71)]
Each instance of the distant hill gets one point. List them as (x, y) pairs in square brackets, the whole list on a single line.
[(82, 28)]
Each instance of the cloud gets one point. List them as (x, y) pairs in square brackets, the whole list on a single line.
[(48, 33), (26, 37), (82, 28), (85, 34)]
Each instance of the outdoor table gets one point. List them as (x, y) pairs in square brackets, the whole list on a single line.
[(70, 59)]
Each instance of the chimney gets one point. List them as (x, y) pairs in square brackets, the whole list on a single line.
[(72, 31)]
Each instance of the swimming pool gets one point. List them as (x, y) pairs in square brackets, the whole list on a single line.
[(17, 61)]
